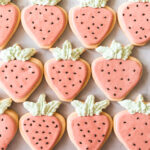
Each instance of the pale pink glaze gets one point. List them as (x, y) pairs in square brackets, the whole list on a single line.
[(19, 78), (49, 25), (66, 77), (8, 130), (133, 130), (116, 77), (134, 19), (41, 131), (8, 20), (92, 24), (90, 132)]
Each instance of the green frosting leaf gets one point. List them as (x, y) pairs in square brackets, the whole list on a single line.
[(89, 108), (144, 1), (115, 51), (93, 3), (15, 52), (41, 107), (137, 106), (4, 104), (67, 52), (46, 2), (4, 2)]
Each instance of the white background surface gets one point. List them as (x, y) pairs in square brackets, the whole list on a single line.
[(142, 53)]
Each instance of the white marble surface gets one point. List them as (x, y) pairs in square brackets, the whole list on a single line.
[(142, 53)]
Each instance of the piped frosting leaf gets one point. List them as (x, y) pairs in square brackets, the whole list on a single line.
[(41, 107), (4, 104), (137, 106), (67, 52), (115, 51), (4, 2), (46, 2), (144, 1), (93, 3), (15, 52), (89, 108)]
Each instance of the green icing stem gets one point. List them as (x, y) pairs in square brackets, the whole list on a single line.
[(4, 2), (4, 104), (46, 2)]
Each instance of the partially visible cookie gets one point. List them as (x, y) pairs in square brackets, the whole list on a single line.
[(20, 74), (42, 128), (116, 73)]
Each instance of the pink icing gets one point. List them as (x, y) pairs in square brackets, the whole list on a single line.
[(42, 132), (8, 19), (116, 77), (66, 77), (8, 130), (18, 78), (92, 24), (90, 132), (133, 130), (134, 19), (49, 25)]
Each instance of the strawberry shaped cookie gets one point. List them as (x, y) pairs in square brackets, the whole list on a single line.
[(89, 127), (9, 21), (92, 22), (132, 127), (134, 19), (8, 123), (42, 128), (20, 74), (44, 22), (116, 73), (67, 75)]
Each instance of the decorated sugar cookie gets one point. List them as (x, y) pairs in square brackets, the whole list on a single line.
[(132, 126), (20, 74), (116, 73), (92, 22), (67, 74), (42, 128), (89, 127), (8, 123), (44, 22), (134, 19), (9, 19)]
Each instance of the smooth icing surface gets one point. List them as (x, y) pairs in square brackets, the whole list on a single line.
[(89, 108), (49, 25), (4, 2), (92, 25), (41, 131), (66, 77), (144, 1), (116, 77), (93, 3), (133, 130), (15, 52), (8, 130), (90, 132), (115, 51), (46, 2), (134, 19), (8, 19), (41, 107), (67, 52), (18, 78), (4, 104)]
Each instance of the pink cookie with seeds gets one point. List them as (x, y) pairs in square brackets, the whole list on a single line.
[(20, 74), (89, 127), (67, 74), (134, 19), (51, 22), (92, 22), (116, 73), (132, 126), (42, 129)]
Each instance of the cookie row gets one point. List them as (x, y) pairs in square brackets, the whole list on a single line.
[(116, 73), (91, 22), (88, 127)]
